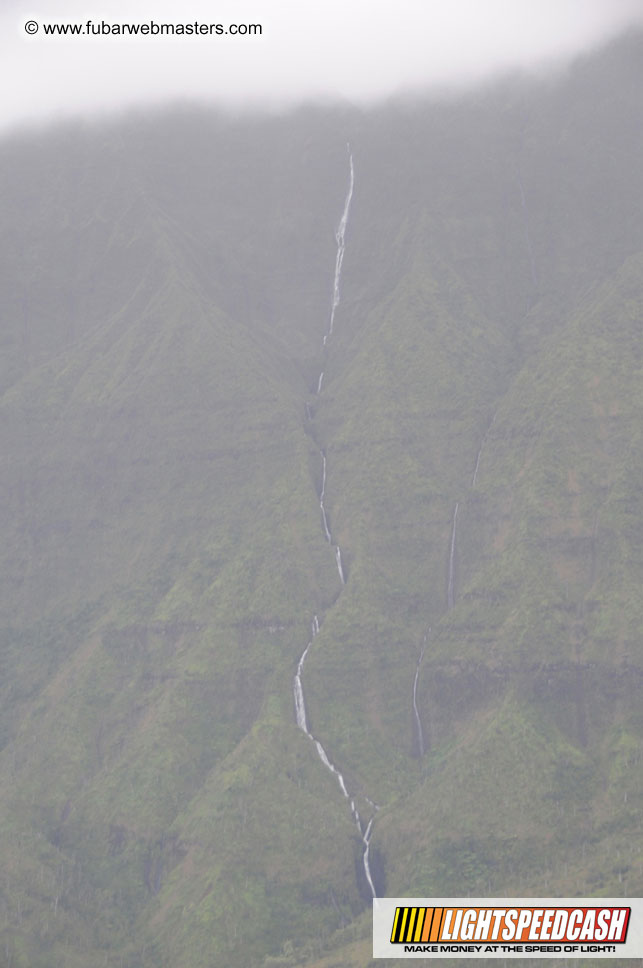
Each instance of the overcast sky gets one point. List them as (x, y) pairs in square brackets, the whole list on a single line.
[(353, 49)]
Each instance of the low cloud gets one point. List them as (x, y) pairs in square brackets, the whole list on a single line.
[(355, 50)]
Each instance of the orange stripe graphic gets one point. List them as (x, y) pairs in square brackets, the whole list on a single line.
[(436, 930), (428, 920)]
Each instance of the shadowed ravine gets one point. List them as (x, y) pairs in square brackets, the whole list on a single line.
[(419, 744), (301, 717)]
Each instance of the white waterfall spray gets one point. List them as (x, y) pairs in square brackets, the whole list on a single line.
[(325, 525), (340, 235), (338, 559), (480, 449), (475, 472), (301, 717), (366, 839), (321, 501), (419, 732), (451, 583), (298, 690)]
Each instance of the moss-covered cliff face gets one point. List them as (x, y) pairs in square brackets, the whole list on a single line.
[(167, 284)]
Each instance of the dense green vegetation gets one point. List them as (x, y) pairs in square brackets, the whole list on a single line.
[(166, 286)]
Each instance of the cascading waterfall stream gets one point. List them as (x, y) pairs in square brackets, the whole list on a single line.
[(302, 721), (301, 717), (324, 519), (339, 258), (419, 732), (481, 448), (475, 470), (451, 582), (321, 501), (366, 839), (338, 560), (300, 702)]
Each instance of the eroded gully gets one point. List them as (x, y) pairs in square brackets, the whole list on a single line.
[(301, 715), (419, 741)]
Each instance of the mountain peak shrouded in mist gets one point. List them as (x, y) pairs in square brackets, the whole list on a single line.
[(450, 519), (73, 61)]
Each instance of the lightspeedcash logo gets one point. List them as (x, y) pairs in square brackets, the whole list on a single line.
[(500, 928)]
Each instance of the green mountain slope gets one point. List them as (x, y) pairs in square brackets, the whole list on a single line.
[(167, 287)]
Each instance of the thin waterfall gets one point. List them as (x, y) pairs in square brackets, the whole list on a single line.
[(298, 691), (366, 839), (301, 716), (419, 732), (321, 501), (326, 526), (475, 472), (480, 449), (338, 559), (340, 235), (451, 583)]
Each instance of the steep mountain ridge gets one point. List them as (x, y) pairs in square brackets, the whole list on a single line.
[(168, 286)]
